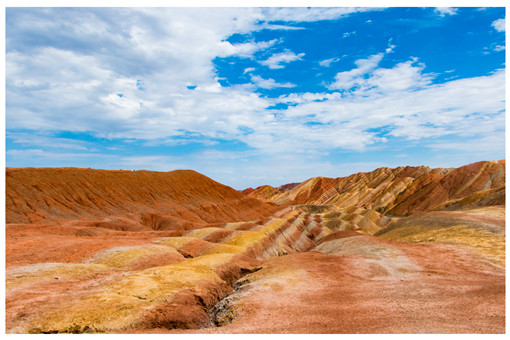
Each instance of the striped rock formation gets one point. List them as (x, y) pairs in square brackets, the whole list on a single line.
[(402, 250), (396, 192)]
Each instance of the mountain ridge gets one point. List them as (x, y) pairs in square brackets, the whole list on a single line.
[(116, 251), (407, 184)]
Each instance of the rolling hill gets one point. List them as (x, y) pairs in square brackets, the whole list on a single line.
[(403, 250)]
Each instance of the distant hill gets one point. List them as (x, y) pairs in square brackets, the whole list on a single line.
[(398, 192), (126, 200)]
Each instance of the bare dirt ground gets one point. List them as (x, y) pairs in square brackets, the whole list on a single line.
[(184, 254), (411, 288)]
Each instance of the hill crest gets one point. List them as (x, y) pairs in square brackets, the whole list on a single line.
[(63, 194)]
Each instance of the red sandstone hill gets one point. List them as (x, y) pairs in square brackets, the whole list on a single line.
[(96, 251), (399, 191), (127, 200)]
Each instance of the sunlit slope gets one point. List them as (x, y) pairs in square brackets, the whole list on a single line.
[(144, 251), (133, 199), (459, 183), (171, 282), (352, 283), (480, 231), (400, 191)]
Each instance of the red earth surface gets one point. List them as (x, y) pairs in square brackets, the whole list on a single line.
[(406, 250)]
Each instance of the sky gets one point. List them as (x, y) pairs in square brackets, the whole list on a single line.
[(255, 95)]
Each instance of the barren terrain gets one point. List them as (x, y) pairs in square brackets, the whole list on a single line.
[(404, 250)]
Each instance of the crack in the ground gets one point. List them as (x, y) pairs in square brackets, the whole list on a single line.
[(224, 312)]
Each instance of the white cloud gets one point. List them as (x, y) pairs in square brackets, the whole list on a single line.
[(277, 60), (402, 77), (245, 50), (269, 83), (442, 11), (168, 50), (499, 48), (499, 25), (367, 77), (304, 14), (171, 52), (50, 88), (328, 62), (412, 108), (390, 48), (280, 27), (300, 98), (349, 79)]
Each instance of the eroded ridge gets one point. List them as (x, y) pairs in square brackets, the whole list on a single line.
[(171, 282), (185, 254)]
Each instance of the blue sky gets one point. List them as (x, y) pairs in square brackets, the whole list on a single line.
[(253, 96)]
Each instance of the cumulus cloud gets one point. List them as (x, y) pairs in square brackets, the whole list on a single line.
[(154, 81), (166, 50), (402, 77), (367, 77), (350, 79), (499, 25), (278, 60), (148, 74), (245, 50), (413, 108)]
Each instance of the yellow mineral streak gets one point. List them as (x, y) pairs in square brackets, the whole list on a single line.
[(224, 248), (201, 233), (124, 257), (245, 239), (175, 242), (24, 276), (484, 243), (120, 304)]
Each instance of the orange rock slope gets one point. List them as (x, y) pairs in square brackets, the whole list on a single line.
[(135, 199), (405, 250), (395, 192), (400, 191)]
